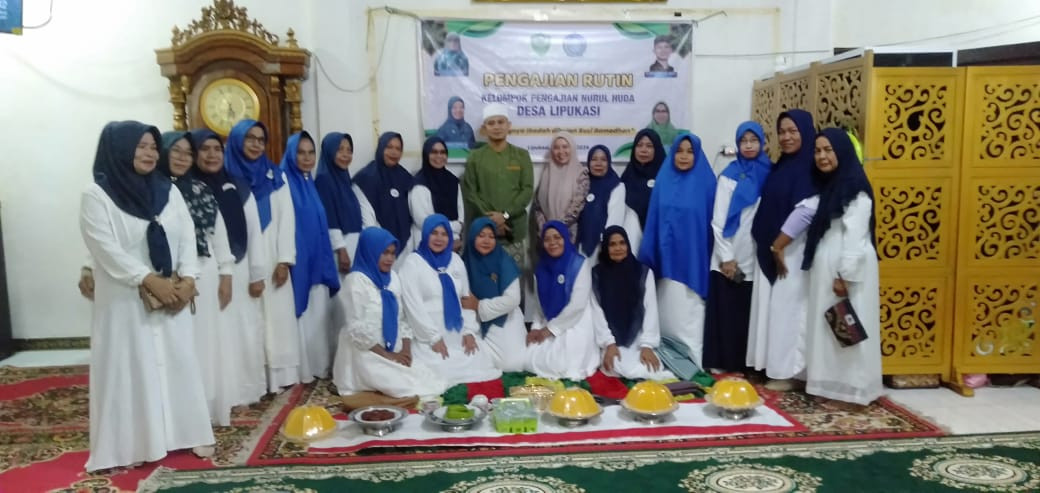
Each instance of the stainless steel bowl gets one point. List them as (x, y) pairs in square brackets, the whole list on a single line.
[(378, 428), (436, 418)]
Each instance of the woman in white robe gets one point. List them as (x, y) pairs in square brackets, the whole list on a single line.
[(386, 183), (146, 392), (776, 331), (677, 241), (733, 256), (562, 342), (213, 284), (374, 353), (240, 377), (494, 279), (842, 262), (315, 280), (441, 310), (604, 205), (245, 159), (625, 314), (436, 191), (346, 209), (639, 178)]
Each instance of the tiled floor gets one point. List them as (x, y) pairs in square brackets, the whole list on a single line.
[(992, 410)]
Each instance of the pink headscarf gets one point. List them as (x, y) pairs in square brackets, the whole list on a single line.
[(557, 182)]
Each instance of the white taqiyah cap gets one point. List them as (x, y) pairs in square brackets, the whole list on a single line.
[(496, 109)]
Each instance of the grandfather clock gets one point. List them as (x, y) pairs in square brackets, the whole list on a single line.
[(224, 67)]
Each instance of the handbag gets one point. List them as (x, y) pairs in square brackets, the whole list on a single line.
[(152, 303), (844, 323)]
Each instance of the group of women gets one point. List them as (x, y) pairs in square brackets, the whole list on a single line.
[(219, 275)]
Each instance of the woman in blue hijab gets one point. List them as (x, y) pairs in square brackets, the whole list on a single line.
[(776, 332), (733, 258), (441, 310), (386, 184), (455, 132), (139, 232), (677, 241), (245, 159), (374, 361), (561, 342), (494, 279), (314, 275), (624, 299), (604, 205)]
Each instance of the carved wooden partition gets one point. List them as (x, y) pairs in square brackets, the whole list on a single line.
[(998, 268), (913, 127), (954, 158)]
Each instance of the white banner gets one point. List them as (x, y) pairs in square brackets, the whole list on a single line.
[(600, 81)]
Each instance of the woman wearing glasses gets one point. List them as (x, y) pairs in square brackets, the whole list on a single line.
[(245, 159), (436, 191)]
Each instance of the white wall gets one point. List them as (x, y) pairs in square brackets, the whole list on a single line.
[(935, 23), (91, 64)]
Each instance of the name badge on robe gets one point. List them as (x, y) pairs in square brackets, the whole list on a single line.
[(494, 277), (561, 279), (650, 183), (590, 198), (394, 193), (270, 174)]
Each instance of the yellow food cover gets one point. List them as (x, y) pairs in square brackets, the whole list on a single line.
[(309, 423), (734, 392), (574, 403), (649, 397)]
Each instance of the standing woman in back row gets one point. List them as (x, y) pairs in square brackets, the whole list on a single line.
[(677, 242), (841, 260), (776, 331), (639, 178), (346, 208), (733, 258), (146, 392), (386, 184), (562, 186), (242, 320), (314, 275), (214, 282), (245, 158), (436, 190)]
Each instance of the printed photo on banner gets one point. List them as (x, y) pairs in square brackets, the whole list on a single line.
[(601, 82)]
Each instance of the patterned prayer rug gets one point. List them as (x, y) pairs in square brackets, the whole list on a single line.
[(991, 463), (44, 437), (44, 433), (820, 420)]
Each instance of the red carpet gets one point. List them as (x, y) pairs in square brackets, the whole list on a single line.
[(44, 432)]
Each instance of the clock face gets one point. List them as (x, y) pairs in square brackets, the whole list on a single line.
[(226, 101)]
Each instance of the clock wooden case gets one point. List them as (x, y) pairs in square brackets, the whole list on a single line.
[(224, 67)]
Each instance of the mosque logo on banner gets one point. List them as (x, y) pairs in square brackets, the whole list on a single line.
[(602, 82)]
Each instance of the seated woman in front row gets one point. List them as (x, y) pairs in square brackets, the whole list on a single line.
[(561, 343), (374, 357), (624, 305), (441, 310), (494, 279)]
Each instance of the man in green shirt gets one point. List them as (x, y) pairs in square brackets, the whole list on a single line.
[(499, 181)]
